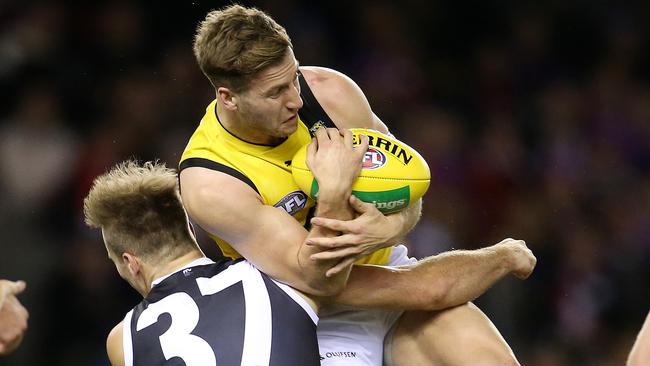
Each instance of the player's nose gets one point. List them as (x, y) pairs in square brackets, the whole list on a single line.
[(294, 102)]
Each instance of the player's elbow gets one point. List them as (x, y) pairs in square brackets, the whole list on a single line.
[(324, 287), (436, 295), (327, 291)]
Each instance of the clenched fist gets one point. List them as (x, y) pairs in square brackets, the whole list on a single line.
[(522, 261)]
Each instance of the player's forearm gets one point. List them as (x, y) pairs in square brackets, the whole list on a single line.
[(434, 283), (331, 204), (640, 353), (463, 275), (335, 164)]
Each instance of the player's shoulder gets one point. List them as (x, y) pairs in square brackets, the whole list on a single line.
[(319, 73), (341, 98), (114, 345), (116, 332), (325, 79), (213, 185)]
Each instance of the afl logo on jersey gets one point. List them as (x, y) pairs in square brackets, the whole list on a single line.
[(293, 202), (373, 159)]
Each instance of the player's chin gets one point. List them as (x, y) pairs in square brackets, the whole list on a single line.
[(289, 127)]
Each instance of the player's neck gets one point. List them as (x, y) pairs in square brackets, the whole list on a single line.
[(172, 266), (232, 123)]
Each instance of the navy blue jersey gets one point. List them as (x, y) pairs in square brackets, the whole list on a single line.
[(225, 314)]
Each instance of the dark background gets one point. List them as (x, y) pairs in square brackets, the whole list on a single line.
[(534, 119)]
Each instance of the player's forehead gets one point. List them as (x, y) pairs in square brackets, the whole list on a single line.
[(279, 74)]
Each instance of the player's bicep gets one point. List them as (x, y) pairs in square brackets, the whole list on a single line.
[(114, 346), (230, 209), (272, 244), (216, 201)]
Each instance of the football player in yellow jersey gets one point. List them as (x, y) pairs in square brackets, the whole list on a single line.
[(257, 119)]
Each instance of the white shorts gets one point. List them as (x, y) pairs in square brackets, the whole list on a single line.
[(355, 337)]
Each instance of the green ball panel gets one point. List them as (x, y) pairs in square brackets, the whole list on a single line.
[(389, 201)]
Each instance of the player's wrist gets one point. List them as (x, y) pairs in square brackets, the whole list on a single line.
[(512, 257), (502, 255), (334, 209), (333, 192)]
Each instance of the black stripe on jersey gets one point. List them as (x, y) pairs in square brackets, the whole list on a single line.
[(312, 112), (310, 214), (297, 345), (213, 165)]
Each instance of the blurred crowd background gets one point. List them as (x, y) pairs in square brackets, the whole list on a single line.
[(533, 116)]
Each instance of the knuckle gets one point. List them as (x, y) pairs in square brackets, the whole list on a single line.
[(350, 251), (335, 245)]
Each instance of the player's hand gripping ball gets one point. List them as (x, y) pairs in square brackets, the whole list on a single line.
[(393, 175)]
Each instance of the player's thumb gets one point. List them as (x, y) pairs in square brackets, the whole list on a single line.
[(311, 152), (362, 147)]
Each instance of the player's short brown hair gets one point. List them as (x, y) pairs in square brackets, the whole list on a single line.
[(139, 209), (235, 43)]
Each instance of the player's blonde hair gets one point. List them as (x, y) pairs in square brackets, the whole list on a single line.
[(139, 209), (235, 43)]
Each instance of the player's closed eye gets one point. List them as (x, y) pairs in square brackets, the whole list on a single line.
[(275, 94)]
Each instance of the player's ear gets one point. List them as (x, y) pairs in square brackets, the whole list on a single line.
[(131, 263), (227, 98)]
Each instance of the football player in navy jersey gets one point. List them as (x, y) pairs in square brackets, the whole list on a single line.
[(195, 311)]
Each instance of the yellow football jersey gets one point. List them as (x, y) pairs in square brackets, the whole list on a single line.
[(266, 169)]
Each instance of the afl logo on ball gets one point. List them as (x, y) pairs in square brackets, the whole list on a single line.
[(373, 159)]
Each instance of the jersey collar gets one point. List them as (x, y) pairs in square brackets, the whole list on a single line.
[(194, 263)]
